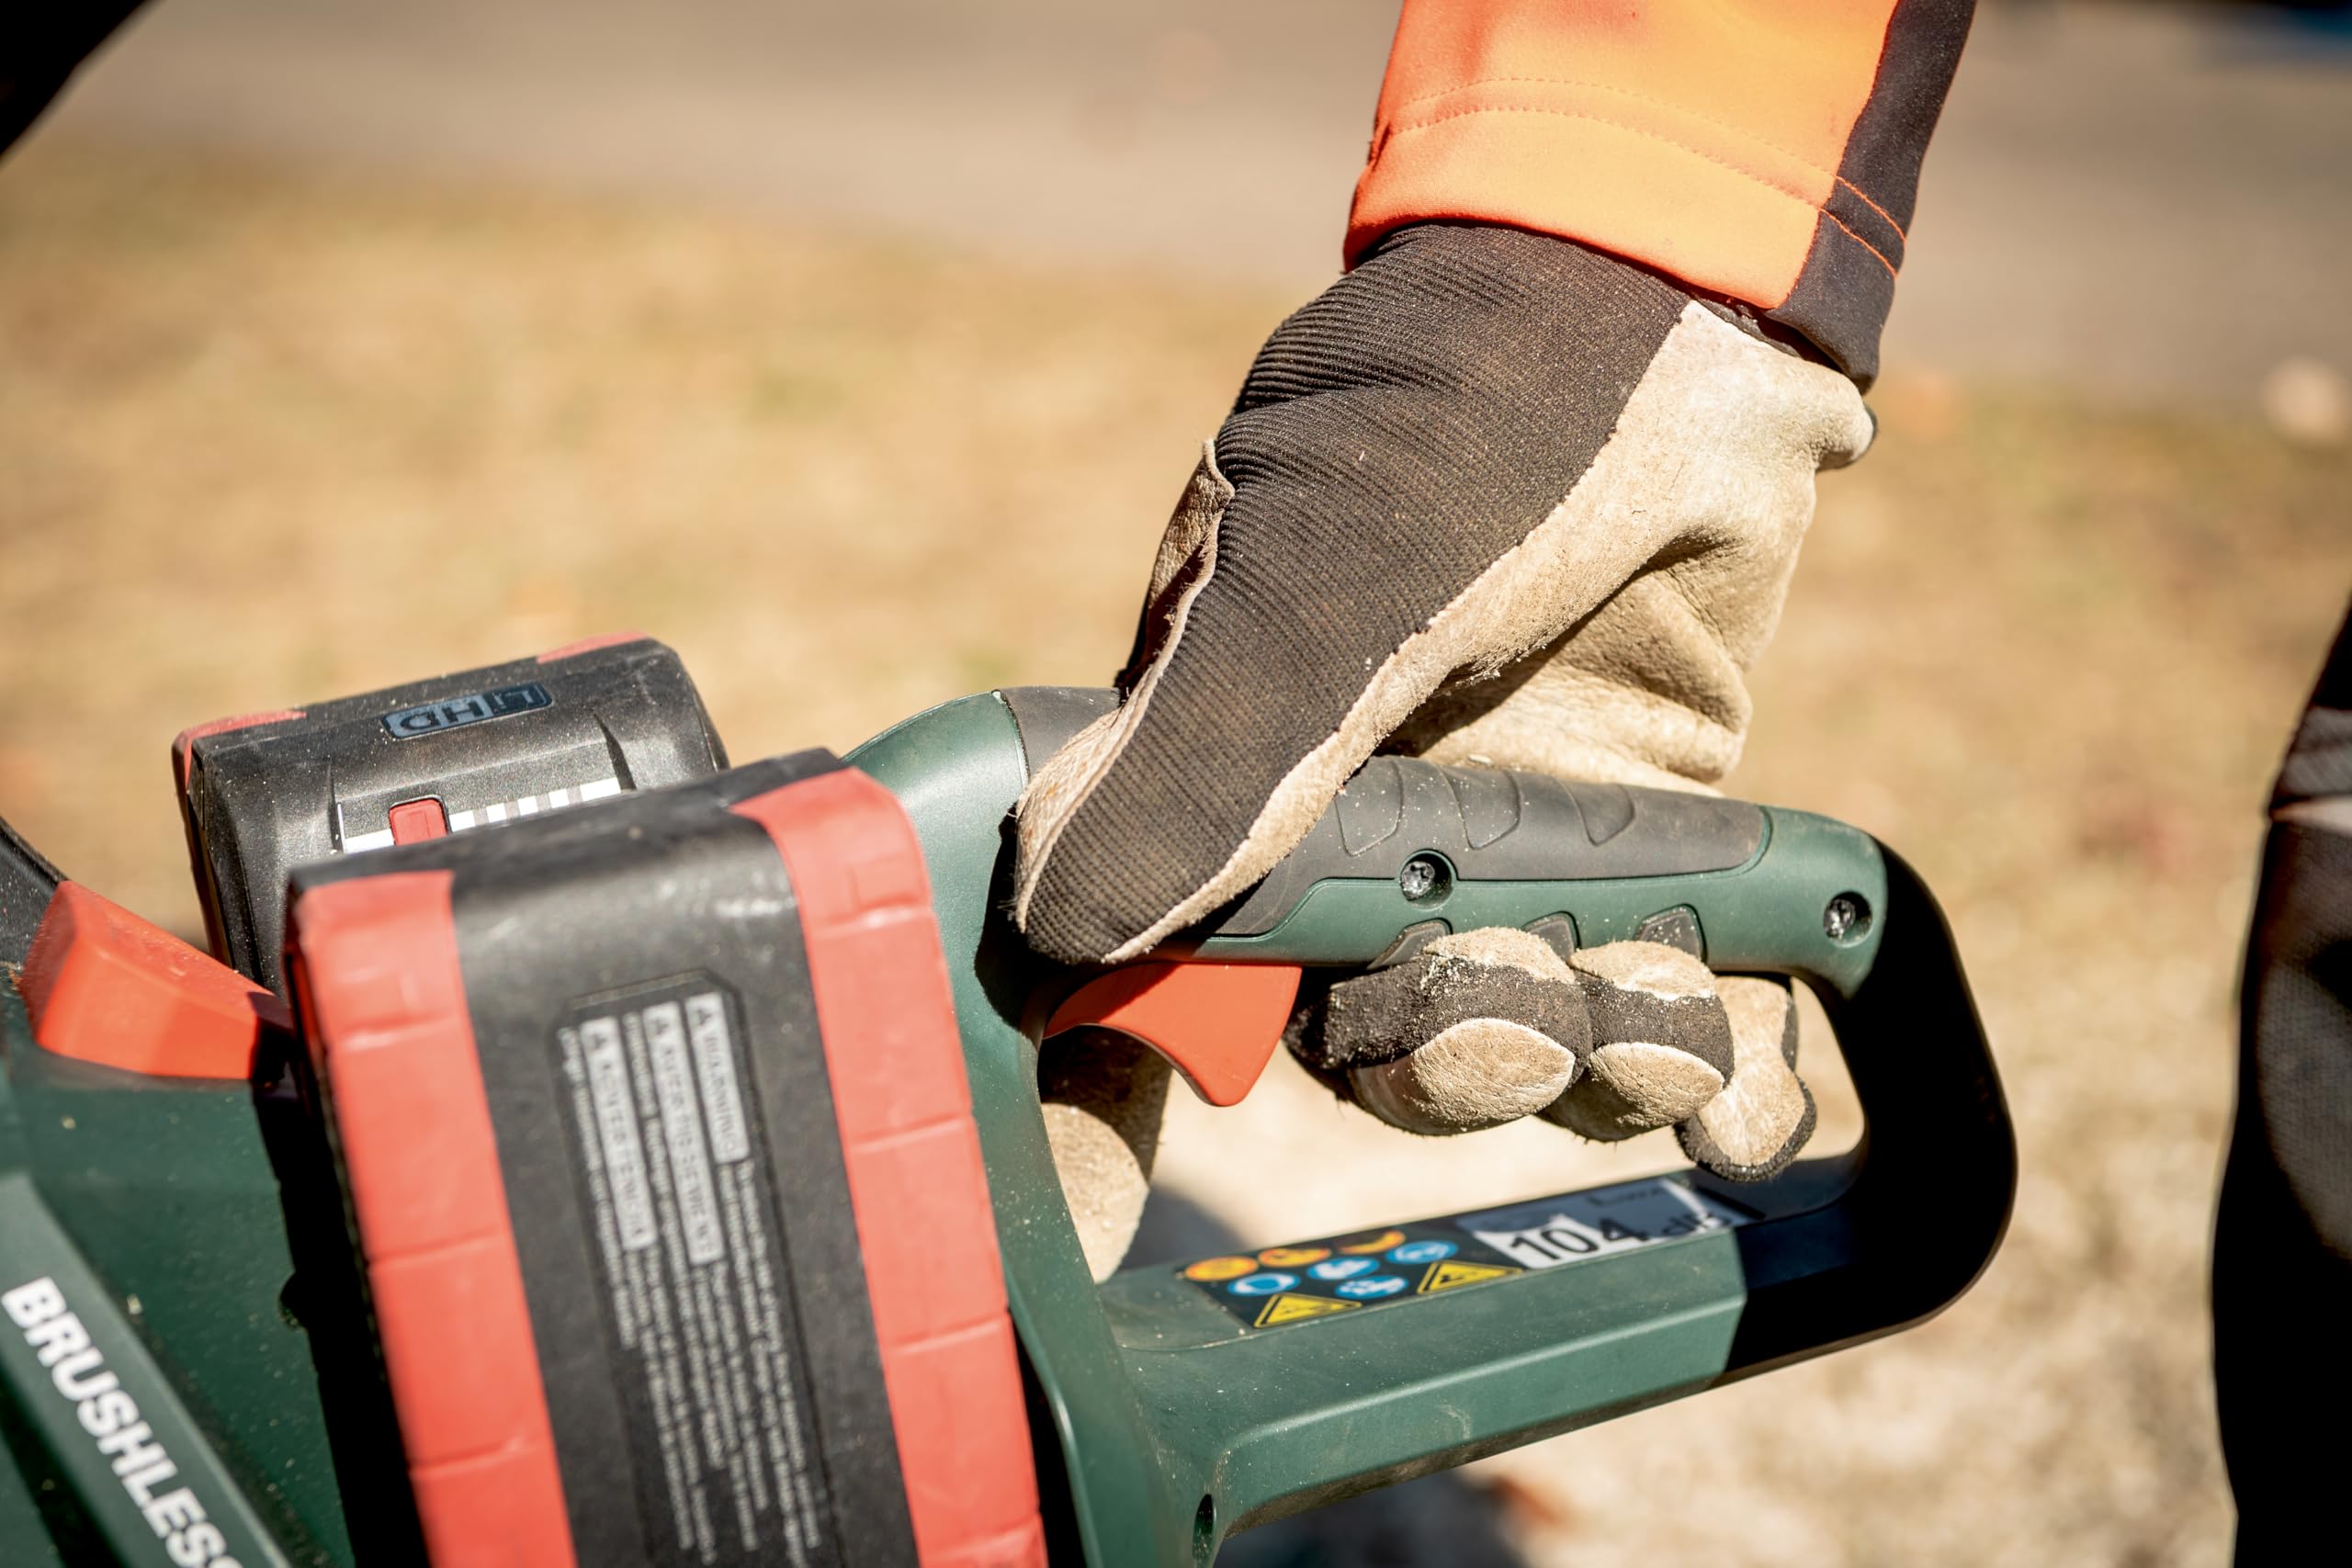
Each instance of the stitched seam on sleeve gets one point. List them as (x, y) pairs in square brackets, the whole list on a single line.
[(1887, 217), (1739, 130), (1774, 186), (1873, 250)]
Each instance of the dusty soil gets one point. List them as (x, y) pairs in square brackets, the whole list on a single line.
[(265, 438)]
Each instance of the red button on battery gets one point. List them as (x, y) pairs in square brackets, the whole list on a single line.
[(414, 822)]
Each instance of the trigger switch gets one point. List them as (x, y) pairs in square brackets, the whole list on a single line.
[(1217, 1023), (1677, 927)]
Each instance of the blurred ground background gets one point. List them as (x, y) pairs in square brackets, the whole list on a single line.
[(857, 352)]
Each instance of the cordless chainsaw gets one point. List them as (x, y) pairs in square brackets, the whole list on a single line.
[(576, 1150)]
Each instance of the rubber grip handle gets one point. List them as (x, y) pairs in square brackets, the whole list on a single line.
[(1402, 817), (1411, 849)]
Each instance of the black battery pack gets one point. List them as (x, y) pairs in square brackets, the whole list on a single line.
[(655, 1145), (265, 793)]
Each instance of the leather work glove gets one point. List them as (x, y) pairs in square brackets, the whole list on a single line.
[(1496, 499)]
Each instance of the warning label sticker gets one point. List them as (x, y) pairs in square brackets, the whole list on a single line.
[(1446, 1276), (1290, 1309), (1312, 1280), (1305, 1282), (690, 1252)]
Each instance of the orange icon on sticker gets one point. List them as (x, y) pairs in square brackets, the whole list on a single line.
[(1380, 1243), (1293, 1256), (1213, 1269)]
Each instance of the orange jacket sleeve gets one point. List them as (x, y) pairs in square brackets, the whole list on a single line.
[(1767, 151)]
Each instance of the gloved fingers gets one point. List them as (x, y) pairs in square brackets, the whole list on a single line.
[(1103, 1097), (1661, 1042), (1477, 1029), (1766, 1114)]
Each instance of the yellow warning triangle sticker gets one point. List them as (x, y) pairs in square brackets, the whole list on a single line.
[(1291, 1309), (1445, 1276)]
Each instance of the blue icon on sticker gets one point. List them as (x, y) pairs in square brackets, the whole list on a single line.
[(1263, 1284), (1421, 1252), (1375, 1288), (1344, 1268)]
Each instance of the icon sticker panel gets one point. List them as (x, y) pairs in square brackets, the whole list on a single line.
[(1310, 1281), (1293, 1256), (1427, 1250)]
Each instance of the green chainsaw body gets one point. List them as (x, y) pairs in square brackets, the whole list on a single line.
[(160, 1205)]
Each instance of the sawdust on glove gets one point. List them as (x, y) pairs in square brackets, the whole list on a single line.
[(1492, 499), (1103, 1097)]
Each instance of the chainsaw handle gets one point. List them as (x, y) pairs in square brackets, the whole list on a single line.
[(1411, 850), (1177, 1425), (1838, 1251), (1922, 1202)]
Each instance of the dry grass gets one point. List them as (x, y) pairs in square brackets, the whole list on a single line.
[(264, 439)]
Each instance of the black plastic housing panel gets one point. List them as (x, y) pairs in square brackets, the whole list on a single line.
[(26, 881)]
